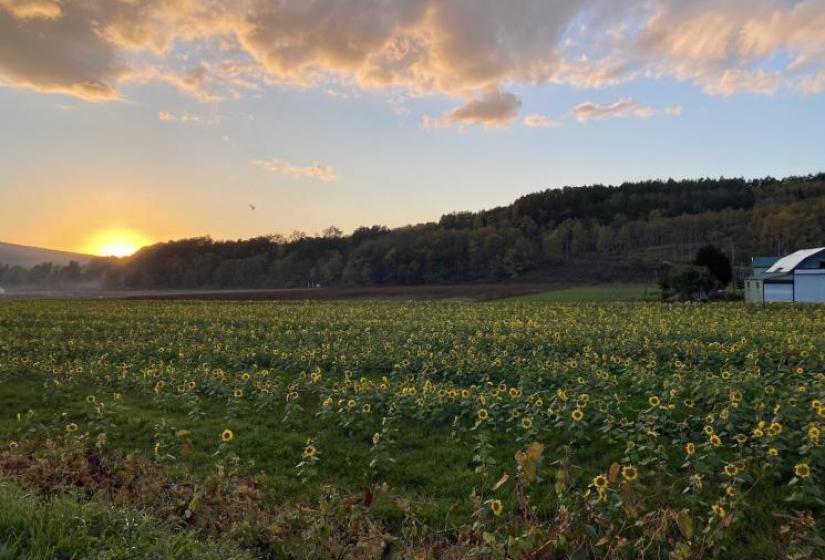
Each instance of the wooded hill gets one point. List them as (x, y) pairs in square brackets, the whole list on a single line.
[(574, 233)]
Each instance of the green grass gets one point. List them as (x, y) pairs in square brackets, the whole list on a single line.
[(62, 528), (54, 357), (596, 293), (436, 472)]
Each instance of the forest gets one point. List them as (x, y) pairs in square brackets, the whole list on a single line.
[(591, 233)]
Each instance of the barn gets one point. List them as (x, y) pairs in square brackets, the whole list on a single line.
[(798, 277)]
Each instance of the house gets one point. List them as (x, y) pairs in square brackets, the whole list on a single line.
[(798, 277), (760, 265), (754, 283)]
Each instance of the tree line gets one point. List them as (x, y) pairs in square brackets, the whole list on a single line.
[(641, 224)]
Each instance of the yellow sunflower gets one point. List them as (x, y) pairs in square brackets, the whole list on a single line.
[(802, 470), (630, 473)]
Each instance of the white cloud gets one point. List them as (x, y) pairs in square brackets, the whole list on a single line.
[(318, 171)]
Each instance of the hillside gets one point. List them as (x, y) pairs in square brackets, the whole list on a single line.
[(27, 257), (572, 234)]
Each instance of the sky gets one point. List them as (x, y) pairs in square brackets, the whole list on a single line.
[(125, 122)]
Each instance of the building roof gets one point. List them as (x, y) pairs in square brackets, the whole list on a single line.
[(763, 262), (790, 262)]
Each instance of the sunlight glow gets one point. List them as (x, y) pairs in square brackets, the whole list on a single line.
[(116, 243)]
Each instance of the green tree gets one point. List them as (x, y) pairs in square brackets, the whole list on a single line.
[(717, 263)]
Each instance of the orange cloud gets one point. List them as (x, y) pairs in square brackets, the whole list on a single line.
[(463, 48), (318, 171), (495, 108), (540, 121), (624, 107), (722, 46), (31, 9)]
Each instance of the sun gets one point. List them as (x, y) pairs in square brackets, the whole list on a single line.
[(116, 243)]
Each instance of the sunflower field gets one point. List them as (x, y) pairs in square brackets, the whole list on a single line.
[(421, 430)]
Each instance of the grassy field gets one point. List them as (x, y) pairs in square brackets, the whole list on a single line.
[(596, 293), (511, 429)]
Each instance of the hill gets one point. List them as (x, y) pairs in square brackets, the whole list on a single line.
[(573, 234), (27, 257)]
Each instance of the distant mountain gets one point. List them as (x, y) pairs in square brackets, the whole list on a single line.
[(27, 257)]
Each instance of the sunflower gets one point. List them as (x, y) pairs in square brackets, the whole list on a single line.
[(731, 470), (630, 473), (367, 407), (12, 445), (653, 401), (600, 481), (773, 452), (802, 470), (526, 423), (227, 435), (577, 415), (715, 440), (310, 451), (775, 428), (718, 510), (496, 507), (482, 414), (71, 428), (690, 448)]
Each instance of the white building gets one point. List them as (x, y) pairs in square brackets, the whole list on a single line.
[(798, 277)]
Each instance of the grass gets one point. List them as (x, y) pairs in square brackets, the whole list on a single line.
[(62, 528), (435, 474), (596, 293), (63, 360)]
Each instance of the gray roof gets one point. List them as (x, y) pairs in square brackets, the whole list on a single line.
[(790, 262)]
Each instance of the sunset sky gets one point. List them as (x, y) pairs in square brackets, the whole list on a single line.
[(141, 121)]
